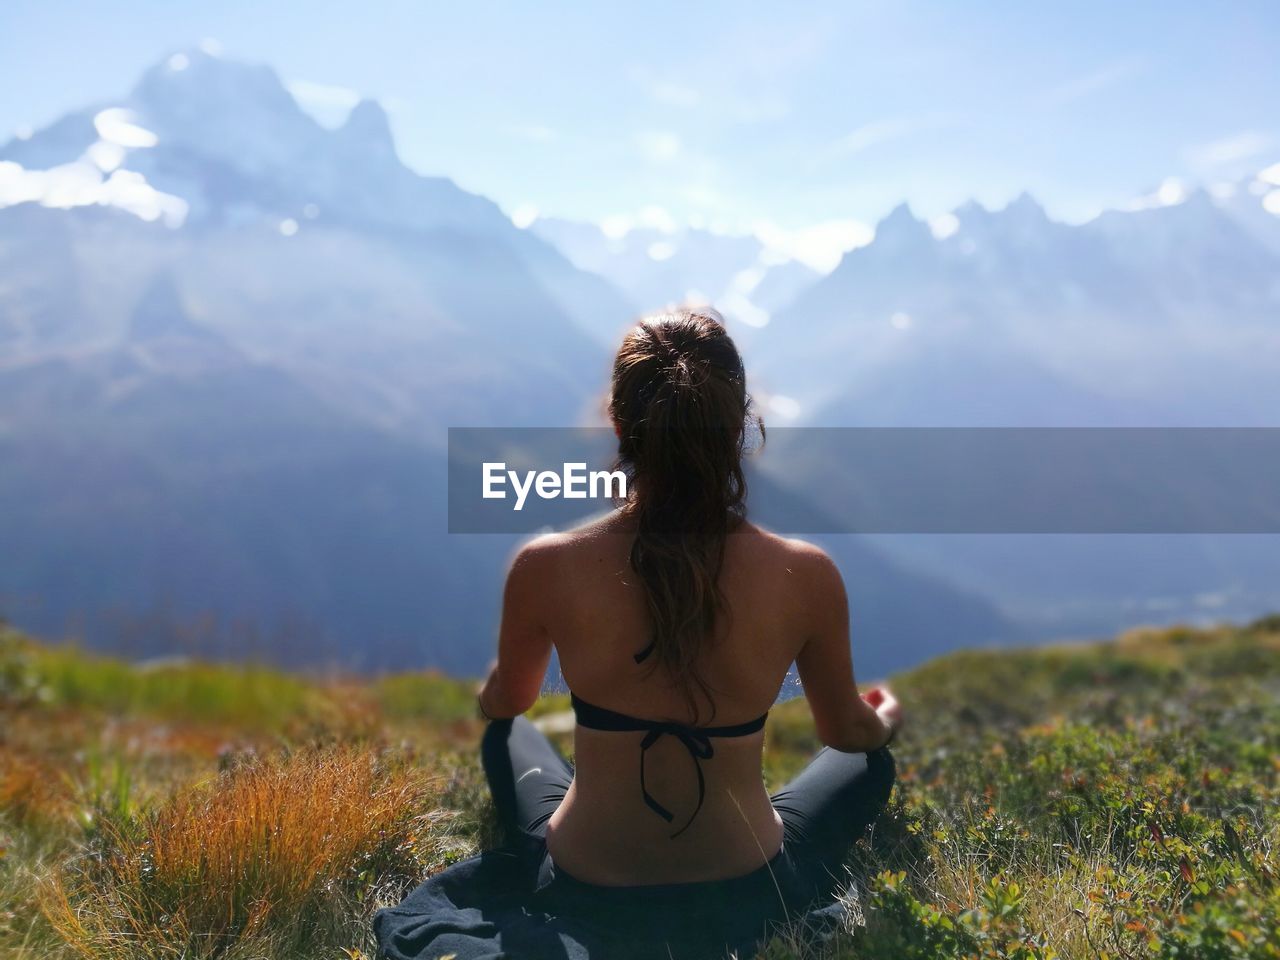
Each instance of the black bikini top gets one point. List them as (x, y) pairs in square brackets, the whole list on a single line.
[(697, 740)]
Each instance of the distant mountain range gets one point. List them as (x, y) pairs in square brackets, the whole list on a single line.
[(1159, 316), (1165, 315), (230, 343), (288, 230), (231, 340)]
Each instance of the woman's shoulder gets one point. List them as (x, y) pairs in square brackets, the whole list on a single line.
[(803, 570), (805, 564), (777, 546), (544, 551)]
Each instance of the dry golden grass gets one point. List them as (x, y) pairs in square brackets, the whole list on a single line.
[(29, 790), (270, 846)]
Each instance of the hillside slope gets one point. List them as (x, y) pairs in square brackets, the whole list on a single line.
[(1102, 800)]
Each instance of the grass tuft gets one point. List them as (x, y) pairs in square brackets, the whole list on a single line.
[(288, 847)]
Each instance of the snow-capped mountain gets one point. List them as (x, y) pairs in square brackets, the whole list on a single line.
[(230, 343), (1167, 315), (658, 266), (207, 141), (1164, 315), (229, 140)]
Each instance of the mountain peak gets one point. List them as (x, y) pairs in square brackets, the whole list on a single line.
[(368, 124), (1025, 215), (901, 214), (901, 226), (235, 112), (194, 76), (1024, 204)]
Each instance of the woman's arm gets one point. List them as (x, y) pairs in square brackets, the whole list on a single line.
[(524, 642), (844, 720)]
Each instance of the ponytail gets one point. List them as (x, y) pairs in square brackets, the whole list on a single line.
[(680, 403)]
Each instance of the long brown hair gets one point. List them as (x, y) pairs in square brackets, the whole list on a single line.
[(680, 402)]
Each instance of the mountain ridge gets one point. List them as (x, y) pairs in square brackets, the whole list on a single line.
[(240, 416)]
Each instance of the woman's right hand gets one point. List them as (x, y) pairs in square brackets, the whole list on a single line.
[(887, 708)]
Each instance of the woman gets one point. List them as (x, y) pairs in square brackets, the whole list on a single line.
[(676, 622)]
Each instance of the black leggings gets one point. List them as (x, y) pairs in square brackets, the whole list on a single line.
[(824, 810)]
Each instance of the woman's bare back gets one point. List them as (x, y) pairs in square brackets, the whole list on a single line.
[(604, 832)]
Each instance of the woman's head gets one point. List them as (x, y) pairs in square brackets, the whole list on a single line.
[(680, 406)]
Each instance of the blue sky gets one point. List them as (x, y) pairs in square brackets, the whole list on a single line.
[(735, 115)]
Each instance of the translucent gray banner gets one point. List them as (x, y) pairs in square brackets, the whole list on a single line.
[(905, 480)]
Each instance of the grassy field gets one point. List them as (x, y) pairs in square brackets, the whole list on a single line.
[(1113, 800)]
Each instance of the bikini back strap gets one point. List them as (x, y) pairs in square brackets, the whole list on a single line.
[(696, 740)]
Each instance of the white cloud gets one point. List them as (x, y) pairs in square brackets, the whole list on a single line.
[(130, 191), (1171, 192), (81, 184), (737, 301), (105, 155), (116, 126), (322, 95), (786, 407), (651, 217), (944, 225), (879, 132), (1228, 150), (744, 310), (616, 227), (820, 245), (18, 185), (328, 105), (745, 281), (288, 227), (661, 250), (1095, 81), (660, 146), (524, 215), (1271, 202), (1270, 175), (179, 62), (870, 134), (657, 218)]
